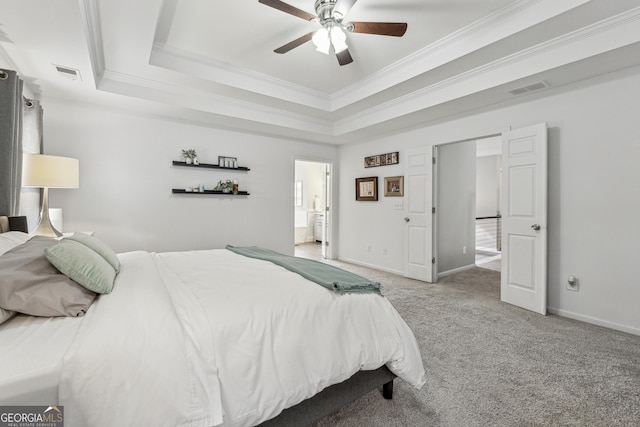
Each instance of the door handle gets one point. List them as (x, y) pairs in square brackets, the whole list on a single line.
[(407, 219), (535, 227)]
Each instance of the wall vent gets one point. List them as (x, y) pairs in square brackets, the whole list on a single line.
[(69, 73), (529, 88)]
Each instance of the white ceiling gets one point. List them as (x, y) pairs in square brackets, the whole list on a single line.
[(213, 63)]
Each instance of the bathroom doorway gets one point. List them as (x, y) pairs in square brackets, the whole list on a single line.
[(312, 212)]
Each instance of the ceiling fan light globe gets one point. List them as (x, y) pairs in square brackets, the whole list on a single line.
[(321, 41), (338, 39)]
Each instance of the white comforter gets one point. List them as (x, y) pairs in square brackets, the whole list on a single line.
[(205, 338)]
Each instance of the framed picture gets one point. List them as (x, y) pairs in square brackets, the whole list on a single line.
[(367, 189), (394, 186), (381, 160)]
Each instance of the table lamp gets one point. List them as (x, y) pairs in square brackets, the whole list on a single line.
[(43, 171)]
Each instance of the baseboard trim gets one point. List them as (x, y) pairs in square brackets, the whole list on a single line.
[(456, 270), (594, 321), (374, 266)]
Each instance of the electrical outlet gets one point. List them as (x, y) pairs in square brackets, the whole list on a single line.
[(384, 251), (572, 283), (464, 250)]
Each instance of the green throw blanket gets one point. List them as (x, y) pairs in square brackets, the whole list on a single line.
[(333, 278)]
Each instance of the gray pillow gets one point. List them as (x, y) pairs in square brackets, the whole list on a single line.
[(99, 247), (83, 265), (30, 284)]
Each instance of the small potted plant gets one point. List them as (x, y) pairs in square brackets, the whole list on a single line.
[(226, 186), (190, 156)]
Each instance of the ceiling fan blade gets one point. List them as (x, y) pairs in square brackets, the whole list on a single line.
[(292, 45), (396, 29), (344, 57), (287, 8), (344, 6)]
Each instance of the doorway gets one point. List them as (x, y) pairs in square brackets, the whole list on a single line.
[(312, 213), (488, 220), (523, 213), (467, 196)]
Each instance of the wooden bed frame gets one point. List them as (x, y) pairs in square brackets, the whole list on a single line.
[(308, 411)]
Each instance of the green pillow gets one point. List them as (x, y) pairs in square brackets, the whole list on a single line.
[(81, 264), (99, 247)]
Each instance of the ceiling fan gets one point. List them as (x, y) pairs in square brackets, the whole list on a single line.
[(330, 15)]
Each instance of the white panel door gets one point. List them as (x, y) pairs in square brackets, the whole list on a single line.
[(419, 219), (524, 218)]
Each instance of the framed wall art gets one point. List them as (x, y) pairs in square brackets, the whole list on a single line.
[(394, 186), (381, 160), (367, 189)]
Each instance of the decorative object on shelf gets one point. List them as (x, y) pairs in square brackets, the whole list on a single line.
[(235, 186), (210, 166), (394, 186), (367, 189), (226, 186), (381, 160), (190, 156), (39, 170), (228, 162)]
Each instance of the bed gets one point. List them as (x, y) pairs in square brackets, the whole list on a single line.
[(204, 338)]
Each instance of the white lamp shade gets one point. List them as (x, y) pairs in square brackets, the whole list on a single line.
[(39, 170)]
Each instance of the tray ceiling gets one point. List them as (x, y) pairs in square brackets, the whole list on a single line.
[(213, 62)]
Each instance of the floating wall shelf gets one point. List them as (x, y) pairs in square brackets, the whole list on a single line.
[(210, 192), (210, 166)]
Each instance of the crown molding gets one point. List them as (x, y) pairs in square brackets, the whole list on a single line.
[(600, 37), (505, 22), (186, 62), (195, 99), (90, 14)]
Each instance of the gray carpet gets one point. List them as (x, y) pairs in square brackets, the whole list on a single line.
[(493, 364)]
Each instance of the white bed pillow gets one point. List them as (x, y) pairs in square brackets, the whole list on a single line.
[(11, 239)]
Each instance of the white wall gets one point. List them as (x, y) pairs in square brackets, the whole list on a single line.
[(594, 197), (311, 174), (487, 184), (363, 225), (456, 205), (126, 179)]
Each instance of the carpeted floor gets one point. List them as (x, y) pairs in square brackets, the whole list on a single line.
[(493, 364)]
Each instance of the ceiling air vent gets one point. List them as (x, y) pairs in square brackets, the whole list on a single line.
[(529, 88), (69, 73)]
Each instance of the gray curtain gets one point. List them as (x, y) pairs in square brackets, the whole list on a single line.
[(10, 142), (30, 198)]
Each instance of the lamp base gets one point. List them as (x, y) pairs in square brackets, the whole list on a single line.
[(45, 228)]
